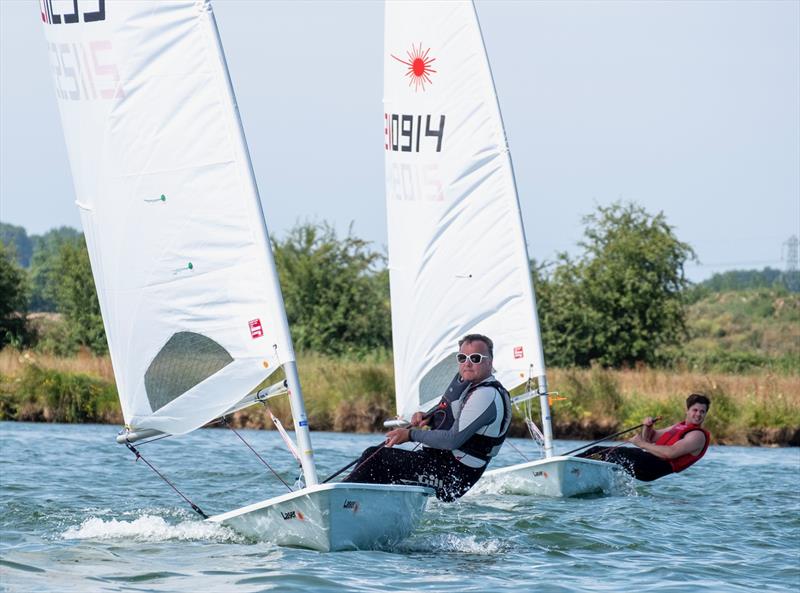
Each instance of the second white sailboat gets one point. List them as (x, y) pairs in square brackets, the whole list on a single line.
[(458, 259)]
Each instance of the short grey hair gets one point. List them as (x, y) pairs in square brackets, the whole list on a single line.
[(469, 338)]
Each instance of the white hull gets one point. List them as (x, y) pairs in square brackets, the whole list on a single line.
[(560, 476), (332, 517)]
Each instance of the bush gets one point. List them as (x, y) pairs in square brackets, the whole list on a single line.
[(55, 396), (594, 396)]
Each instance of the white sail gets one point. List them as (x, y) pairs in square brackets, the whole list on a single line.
[(169, 207), (180, 252), (457, 255)]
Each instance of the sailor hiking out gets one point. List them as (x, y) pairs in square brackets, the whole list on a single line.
[(459, 436), (659, 453)]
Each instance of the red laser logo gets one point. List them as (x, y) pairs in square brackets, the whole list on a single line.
[(419, 66)]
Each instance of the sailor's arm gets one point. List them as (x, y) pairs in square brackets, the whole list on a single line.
[(692, 443), (398, 436), (479, 411), (649, 433)]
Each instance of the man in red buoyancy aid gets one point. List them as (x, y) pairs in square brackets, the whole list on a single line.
[(662, 452)]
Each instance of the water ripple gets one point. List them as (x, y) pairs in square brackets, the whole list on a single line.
[(732, 524)]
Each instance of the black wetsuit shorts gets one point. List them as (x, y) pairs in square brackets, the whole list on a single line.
[(639, 463), (436, 468)]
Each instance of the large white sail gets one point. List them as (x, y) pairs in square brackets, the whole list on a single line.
[(169, 207), (457, 255)]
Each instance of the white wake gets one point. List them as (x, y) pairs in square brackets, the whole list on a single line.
[(151, 528)]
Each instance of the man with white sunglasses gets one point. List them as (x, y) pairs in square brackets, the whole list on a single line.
[(459, 436)]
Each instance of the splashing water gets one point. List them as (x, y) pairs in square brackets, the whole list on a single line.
[(151, 528)]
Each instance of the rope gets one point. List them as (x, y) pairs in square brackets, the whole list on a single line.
[(609, 437), (195, 508), (533, 430), (352, 463), (226, 423), (517, 450), (284, 435), (381, 446), (603, 455)]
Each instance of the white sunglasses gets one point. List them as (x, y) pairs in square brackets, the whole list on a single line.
[(475, 358)]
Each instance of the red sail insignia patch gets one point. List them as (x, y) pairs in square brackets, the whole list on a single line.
[(256, 331)]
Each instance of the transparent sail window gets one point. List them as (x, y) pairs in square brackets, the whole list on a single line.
[(436, 380), (185, 360)]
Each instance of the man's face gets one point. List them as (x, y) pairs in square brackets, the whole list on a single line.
[(696, 414), (475, 372)]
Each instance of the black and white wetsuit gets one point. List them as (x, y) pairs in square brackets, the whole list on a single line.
[(467, 429)]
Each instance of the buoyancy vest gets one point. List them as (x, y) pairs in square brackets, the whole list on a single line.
[(442, 418), (676, 433)]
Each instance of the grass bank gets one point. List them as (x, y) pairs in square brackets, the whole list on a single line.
[(758, 408)]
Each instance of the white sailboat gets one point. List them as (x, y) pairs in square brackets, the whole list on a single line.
[(458, 260), (180, 253)]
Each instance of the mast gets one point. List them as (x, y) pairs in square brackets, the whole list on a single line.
[(544, 400), (290, 366), (547, 428)]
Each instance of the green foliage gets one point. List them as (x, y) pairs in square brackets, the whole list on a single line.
[(76, 298), (599, 398), (13, 301), (44, 264), (750, 279), (17, 239), (8, 400), (723, 413), (344, 394), (637, 407), (336, 302), (741, 331), (778, 411), (58, 396), (621, 302)]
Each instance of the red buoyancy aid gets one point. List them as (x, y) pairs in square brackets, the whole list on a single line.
[(676, 433)]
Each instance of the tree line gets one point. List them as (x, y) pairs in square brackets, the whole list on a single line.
[(620, 302)]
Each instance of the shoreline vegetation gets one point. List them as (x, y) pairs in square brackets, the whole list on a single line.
[(626, 334), (761, 407)]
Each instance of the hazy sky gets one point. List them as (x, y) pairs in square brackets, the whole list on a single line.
[(690, 108)]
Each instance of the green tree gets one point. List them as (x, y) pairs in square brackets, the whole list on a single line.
[(336, 302), (44, 263), (76, 299), (17, 237), (13, 300), (622, 300)]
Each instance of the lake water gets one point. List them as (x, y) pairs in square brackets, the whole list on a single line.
[(79, 515)]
